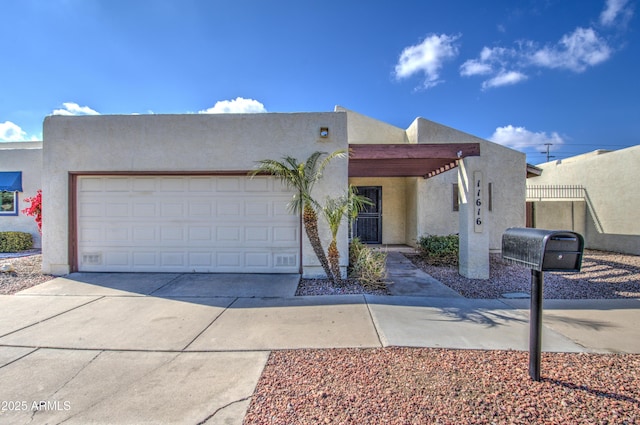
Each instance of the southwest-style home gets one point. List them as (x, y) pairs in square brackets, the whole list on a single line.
[(170, 193)]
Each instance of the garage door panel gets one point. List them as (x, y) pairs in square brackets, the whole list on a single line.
[(228, 234), (229, 209), (91, 209), (259, 234), (143, 184), (172, 184), (200, 259), (259, 185), (89, 184), (172, 209), (117, 258), (144, 234), (257, 260), (201, 209), (200, 184), (281, 209), (117, 185), (258, 209), (186, 224), (117, 234), (285, 234), (144, 210), (145, 259), (229, 184)]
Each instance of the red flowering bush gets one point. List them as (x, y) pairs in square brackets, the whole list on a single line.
[(35, 210)]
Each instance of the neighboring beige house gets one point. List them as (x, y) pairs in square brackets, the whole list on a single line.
[(170, 193), (20, 178), (595, 194)]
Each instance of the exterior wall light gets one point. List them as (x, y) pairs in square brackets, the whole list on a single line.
[(324, 132)]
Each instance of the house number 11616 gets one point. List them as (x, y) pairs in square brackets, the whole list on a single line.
[(478, 196)]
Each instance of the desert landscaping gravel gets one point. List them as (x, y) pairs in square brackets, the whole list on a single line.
[(438, 386), (603, 275), (27, 272)]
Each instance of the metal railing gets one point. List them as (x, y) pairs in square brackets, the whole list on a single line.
[(563, 191)]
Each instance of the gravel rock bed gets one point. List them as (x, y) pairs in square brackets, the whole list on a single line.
[(437, 386), (27, 273), (603, 275), (324, 287)]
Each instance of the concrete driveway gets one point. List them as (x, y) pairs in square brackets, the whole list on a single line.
[(172, 348)]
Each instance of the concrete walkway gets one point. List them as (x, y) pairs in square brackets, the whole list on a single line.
[(172, 348)]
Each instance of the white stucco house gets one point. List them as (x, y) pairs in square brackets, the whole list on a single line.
[(170, 193), (595, 194), (20, 178)]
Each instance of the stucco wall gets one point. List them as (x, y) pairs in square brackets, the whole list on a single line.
[(25, 157), (363, 129), (561, 215), (611, 183), (436, 215), (393, 206), (181, 143), (411, 213), (504, 168)]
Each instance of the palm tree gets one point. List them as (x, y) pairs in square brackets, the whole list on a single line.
[(302, 176), (334, 210)]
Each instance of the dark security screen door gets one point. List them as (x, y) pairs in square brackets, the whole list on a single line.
[(368, 225)]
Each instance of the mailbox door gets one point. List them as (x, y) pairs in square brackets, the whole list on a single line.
[(563, 252)]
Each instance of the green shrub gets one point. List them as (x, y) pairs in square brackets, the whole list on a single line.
[(15, 241), (367, 265), (439, 250)]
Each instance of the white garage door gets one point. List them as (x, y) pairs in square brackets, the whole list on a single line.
[(225, 224)]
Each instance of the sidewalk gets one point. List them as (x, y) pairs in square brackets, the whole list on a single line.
[(163, 348)]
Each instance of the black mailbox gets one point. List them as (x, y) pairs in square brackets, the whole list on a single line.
[(543, 250)]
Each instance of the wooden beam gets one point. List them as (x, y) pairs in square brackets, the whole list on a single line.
[(416, 151)]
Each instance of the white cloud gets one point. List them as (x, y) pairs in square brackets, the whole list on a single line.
[(71, 108), (427, 57), (239, 105), (576, 51), (521, 138), (475, 67), (504, 78), (10, 132), (616, 10), (490, 59)]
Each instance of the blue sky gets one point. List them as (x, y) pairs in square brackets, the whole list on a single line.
[(519, 72)]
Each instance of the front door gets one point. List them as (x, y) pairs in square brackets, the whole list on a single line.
[(368, 225)]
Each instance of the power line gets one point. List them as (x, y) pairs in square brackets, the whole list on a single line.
[(548, 145)]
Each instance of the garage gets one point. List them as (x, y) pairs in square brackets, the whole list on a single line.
[(185, 224)]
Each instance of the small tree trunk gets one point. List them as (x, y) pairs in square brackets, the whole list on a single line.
[(310, 220), (334, 262)]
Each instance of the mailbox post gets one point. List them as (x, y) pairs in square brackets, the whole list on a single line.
[(541, 250)]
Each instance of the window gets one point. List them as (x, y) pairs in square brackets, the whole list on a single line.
[(10, 185), (490, 196), (455, 198), (8, 203)]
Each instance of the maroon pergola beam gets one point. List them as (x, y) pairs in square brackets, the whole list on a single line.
[(407, 160)]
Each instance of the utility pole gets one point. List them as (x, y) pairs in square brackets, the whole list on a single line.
[(548, 145)]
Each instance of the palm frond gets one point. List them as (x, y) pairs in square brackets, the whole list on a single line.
[(334, 210), (357, 202)]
